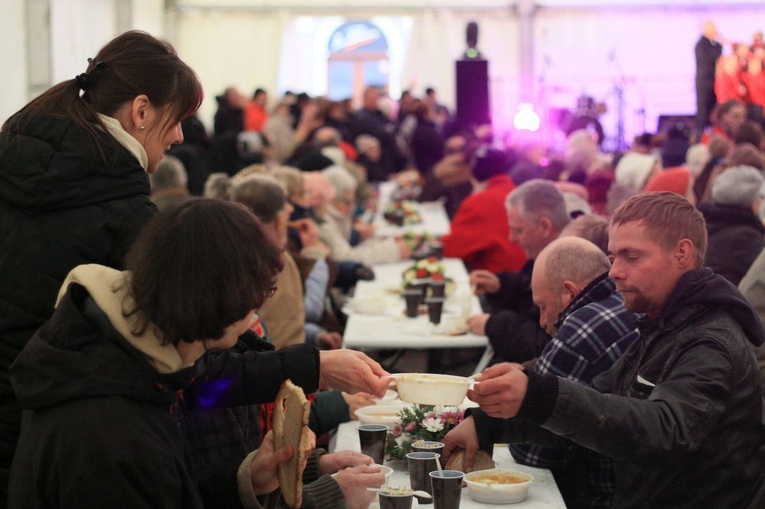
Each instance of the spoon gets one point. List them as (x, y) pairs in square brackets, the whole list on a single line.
[(416, 493)]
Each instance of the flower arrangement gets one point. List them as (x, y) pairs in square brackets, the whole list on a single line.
[(415, 241), (427, 268), (402, 212), (420, 422)]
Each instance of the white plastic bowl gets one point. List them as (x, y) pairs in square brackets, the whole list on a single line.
[(380, 414), (498, 493), (431, 389)]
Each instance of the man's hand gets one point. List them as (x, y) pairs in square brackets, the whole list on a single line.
[(263, 467), (356, 401), (306, 228), (477, 323), (501, 391), (352, 371), (462, 437), (329, 340), (354, 483), (484, 282), (331, 463)]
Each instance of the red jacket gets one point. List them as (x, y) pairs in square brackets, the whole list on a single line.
[(755, 88), (727, 87), (255, 117), (479, 230)]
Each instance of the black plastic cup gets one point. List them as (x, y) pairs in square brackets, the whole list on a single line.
[(420, 465), (446, 488), (396, 499), (372, 440), (437, 250), (435, 308), (422, 285), (438, 288), (413, 298), (428, 446)]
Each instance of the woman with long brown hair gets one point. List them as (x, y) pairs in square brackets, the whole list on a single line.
[(74, 187)]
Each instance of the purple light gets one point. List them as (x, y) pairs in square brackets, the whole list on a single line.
[(526, 119)]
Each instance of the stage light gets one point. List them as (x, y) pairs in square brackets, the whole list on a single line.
[(526, 119)]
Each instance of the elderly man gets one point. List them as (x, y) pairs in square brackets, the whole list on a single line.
[(536, 214), (680, 413), (590, 328)]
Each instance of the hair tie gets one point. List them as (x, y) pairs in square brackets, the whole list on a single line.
[(96, 62), (83, 81)]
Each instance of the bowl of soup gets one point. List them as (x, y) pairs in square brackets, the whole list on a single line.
[(498, 486), (431, 389)]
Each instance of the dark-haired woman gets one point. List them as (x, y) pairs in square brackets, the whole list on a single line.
[(74, 187), (99, 381)]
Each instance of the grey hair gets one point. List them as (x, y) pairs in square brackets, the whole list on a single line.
[(574, 259), (739, 185), (170, 173), (218, 185), (262, 194), (341, 180), (540, 198)]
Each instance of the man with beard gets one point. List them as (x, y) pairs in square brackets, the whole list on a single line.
[(680, 413)]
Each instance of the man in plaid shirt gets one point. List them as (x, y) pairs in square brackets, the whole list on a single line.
[(590, 328)]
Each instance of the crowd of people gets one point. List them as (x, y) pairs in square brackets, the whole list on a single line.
[(153, 304)]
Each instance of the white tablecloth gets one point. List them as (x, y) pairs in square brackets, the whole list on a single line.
[(543, 493), (435, 221), (389, 328)]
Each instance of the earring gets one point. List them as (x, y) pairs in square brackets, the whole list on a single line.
[(142, 127)]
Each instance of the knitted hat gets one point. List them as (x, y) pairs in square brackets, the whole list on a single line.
[(739, 185), (365, 142), (675, 180), (633, 169), (336, 154)]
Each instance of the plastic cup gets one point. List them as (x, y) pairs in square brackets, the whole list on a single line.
[(420, 465), (372, 439), (413, 298), (396, 499), (435, 308), (422, 285), (428, 446), (446, 488), (438, 288)]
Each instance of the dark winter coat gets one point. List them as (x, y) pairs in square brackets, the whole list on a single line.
[(64, 201)]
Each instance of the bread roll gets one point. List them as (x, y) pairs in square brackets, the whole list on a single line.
[(483, 461), (290, 423)]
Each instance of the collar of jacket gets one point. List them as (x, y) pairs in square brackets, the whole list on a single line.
[(108, 288), (114, 128)]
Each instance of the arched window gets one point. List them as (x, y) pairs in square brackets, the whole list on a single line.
[(358, 58)]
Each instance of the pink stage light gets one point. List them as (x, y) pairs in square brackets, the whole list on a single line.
[(526, 119)]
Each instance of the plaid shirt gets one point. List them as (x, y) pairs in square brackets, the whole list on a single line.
[(592, 333)]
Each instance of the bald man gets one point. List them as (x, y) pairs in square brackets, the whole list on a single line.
[(708, 50), (590, 328)]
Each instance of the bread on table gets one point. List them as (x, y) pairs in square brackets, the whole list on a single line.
[(483, 461)]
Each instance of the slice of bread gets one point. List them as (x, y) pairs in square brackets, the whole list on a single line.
[(483, 461), (290, 423)]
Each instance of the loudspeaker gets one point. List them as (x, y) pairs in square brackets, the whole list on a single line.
[(472, 93), (666, 122), (471, 34)]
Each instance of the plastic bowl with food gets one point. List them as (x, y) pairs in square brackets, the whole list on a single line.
[(380, 414), (431, 389), (498, 486)]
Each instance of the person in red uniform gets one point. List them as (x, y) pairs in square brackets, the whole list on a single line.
[(479, 231)]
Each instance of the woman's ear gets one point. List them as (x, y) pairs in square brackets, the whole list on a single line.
[(141, 111)]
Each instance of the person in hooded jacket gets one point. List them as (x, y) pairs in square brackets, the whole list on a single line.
[(733, 222), (74, 187), (680, 413), (100, 381)]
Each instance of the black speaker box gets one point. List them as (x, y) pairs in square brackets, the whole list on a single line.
[(667, 122), (472, 93)]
